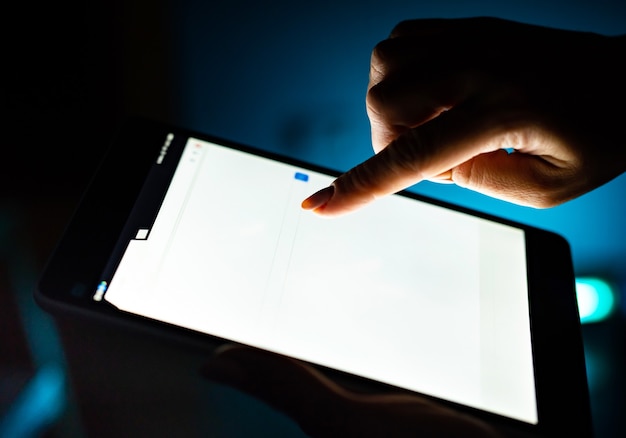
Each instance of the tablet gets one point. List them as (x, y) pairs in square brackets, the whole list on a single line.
[(192, 235)]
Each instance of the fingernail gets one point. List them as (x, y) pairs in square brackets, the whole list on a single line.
[(318, 199)]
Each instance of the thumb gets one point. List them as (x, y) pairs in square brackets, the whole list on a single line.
[(520, 178)]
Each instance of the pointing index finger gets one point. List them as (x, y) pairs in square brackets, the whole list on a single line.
[(420, 153)]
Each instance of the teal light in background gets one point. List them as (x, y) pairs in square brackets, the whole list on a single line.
[(596, 299), (38, 406)]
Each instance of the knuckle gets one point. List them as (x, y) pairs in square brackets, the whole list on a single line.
[(462, 175), (376, 99), (358, 182), (408, 154), (383, 50), (385, 107), (395, 167), (517, 139), (380, 61)]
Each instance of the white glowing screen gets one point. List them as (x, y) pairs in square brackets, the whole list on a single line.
[(403, 292)]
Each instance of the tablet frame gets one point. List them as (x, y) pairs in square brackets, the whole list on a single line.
[(83, 253)]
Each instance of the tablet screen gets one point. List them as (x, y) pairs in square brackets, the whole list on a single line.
[(403, 292)]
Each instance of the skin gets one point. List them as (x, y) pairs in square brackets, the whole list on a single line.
[(446, 97)]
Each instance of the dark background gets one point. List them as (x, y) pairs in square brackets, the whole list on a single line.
[(285, 77)]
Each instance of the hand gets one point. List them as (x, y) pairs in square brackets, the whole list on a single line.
[(447, 97), (323, 408)]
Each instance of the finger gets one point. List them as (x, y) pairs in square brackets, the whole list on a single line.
[(252, 369), (432, 41), (413, 39), (290, 386), (412, 83), (407, 99), (442, 178), (394, 53), (464, 146), (323, 408), (429, 66), (442, 144), (400, 73)]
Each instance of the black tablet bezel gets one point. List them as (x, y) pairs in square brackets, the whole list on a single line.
[(82, 254)]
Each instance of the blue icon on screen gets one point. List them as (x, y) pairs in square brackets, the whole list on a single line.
[(301, 176)]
